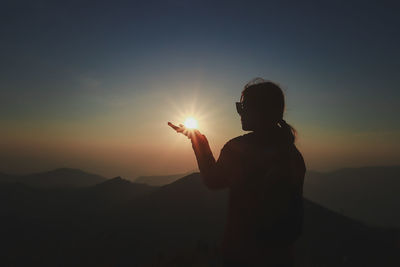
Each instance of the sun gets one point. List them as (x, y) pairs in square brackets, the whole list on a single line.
[(190, 123)]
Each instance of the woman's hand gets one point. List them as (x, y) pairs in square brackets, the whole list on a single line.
[(199, 141), (189, 133), (204, 156)]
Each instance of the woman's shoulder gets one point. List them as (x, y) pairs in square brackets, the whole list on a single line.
[(239, 142), (241, 139)]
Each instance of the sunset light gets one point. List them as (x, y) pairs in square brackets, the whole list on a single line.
[(200, 133), (190, 123)]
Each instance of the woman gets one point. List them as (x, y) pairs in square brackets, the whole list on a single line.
[(264, 172)]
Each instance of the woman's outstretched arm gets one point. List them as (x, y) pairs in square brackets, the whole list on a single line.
[(214, 173)]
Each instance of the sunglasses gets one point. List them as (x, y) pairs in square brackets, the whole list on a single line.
[(239, 107)]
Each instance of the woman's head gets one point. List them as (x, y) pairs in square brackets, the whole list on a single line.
[(261, 106)]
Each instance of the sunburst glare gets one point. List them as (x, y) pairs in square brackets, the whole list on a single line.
[(191, 123)]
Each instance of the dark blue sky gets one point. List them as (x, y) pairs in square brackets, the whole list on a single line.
[(66, 65)]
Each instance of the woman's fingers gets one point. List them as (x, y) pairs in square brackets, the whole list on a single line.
[(173, 126), (190, 133), (179, 129)]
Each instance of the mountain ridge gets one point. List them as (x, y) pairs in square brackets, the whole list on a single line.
[(369, 194), (112, 223), (60, 177)]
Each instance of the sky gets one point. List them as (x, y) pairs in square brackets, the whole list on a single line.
[(92, 84)]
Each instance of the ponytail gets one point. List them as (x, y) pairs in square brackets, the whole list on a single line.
[(288, 131), (267, 99)]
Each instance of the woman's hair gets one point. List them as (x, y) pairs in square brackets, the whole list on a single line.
[(266, 98)]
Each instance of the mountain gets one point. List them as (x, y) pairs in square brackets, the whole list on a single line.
[(159, 180), (118, 189), (6, 177), (369, 194), (119, 223), (62, 177), (329, 239), (182, 209)]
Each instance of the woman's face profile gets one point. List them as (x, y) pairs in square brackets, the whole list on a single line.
[(247, 116)]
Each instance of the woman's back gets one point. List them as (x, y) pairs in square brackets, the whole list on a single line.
[(265, 198)]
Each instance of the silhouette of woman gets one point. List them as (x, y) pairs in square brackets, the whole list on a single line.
[(264, 172)]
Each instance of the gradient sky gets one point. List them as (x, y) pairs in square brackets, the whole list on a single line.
[(91, 85)]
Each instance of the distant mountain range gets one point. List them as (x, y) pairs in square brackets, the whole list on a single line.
[(369, 194), (119, 223), (68, 177), (159, 180), (62, 177)]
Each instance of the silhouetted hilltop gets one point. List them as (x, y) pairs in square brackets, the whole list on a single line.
[(370, 194), (159, 180), (119, 223), (4, 177), (188, 185), (117, 182), (341, 241), (62, 177), (329, 239), (120, 189), (185, 208)]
